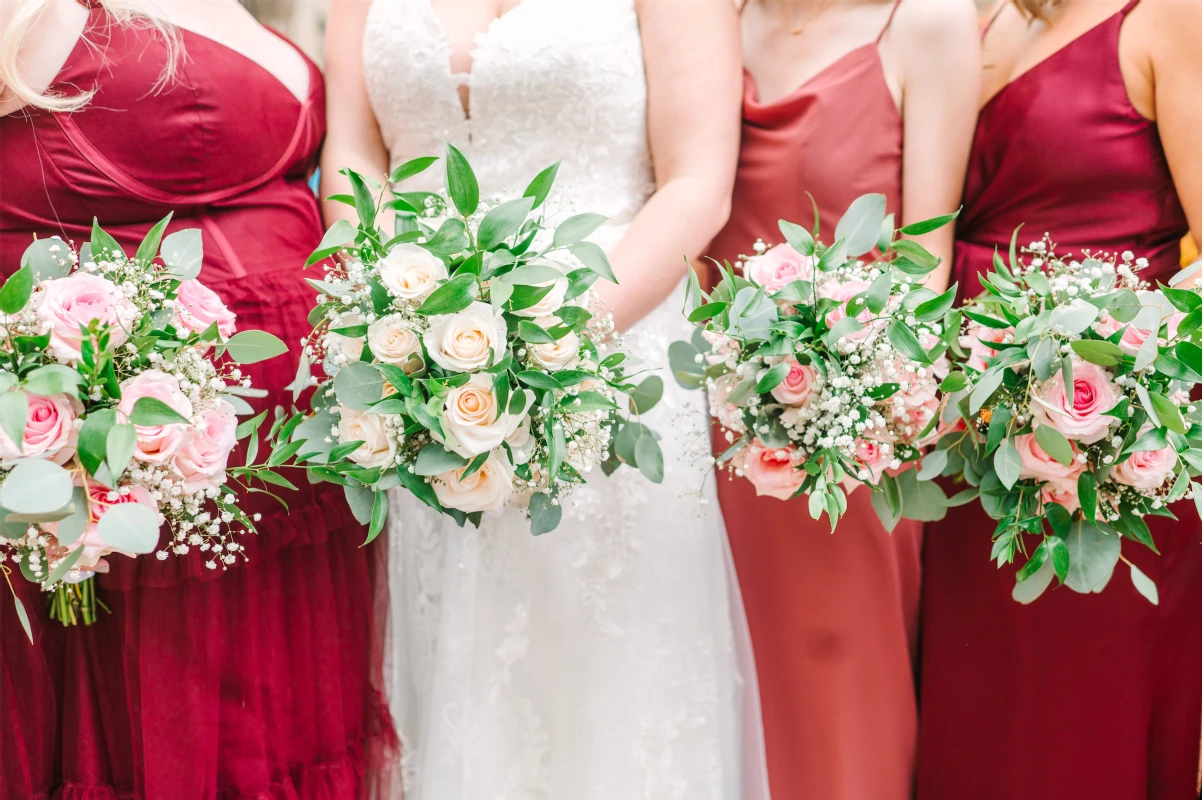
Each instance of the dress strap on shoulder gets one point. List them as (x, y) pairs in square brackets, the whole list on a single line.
[(888, 22), (1127, 9)]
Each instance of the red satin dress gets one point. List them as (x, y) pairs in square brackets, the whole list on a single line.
[(262, 682), (833, 617), (1073, 696)]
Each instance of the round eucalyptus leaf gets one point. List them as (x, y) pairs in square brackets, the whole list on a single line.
[(36, 486), (358, 385), (250, 347), (71, 528), (131, 527), (1093, 555)]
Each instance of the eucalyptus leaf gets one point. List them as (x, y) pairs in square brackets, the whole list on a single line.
[(860, 226), (650, 458), (130, 527), (14, 413), (545, 516), (119, 446), (35, 486), (1007, 463), (358, 385), (151, 411), (1144, 585), (797, 237), (434, 459), (1052, 442), (251, 347), (1093, 555), (72, 527), (47, 259), (1028, 591)]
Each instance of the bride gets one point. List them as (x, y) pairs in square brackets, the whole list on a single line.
[(601, 661)]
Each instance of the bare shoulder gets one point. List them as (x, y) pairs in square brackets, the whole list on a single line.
[(935, 21), (1167, 26)]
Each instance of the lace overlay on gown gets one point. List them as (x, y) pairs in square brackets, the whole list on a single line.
[(598, 662)]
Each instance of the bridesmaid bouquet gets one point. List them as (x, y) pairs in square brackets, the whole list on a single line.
[(1074, 412), (822, 369), (118, 404), (464, 362)]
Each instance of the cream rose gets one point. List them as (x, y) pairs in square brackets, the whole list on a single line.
[(392, 341), (521, 442), (472, 420), (554, 356), (487, 489), (378, 448), (410, 272), (472, 339)]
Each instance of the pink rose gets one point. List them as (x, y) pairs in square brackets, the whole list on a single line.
[(1039, 465), (779, 267), (157, 443), (843, 292), (772, 471), (1063, 492), (1146, 470), (100, 500), (1132, 339), (1172, 323), (874, 456), (49, 431), (978, 351), (1106, 326), (942, 365), (64, 304), (1094, 393), (205, 453), (798, 385), (197, 307)]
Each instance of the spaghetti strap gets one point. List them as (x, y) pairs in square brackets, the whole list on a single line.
[(1127, 9), (888, 22)]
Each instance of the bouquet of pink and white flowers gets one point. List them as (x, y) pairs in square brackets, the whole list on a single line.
[(823, 368), (117, 412), (1074, 412), (465, 363)]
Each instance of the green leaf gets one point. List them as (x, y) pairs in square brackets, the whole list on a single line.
[(916, 254), (503, 221), (358, 385), (1168, 413), (365, 203), (1058, 550), (860, 226), (593, 258), (935, 308), (577, 228), (587, 401), (434, 459), (461, 182), (52, 379), (650, 457), (131, 527), (71, 527), (104, 246), (14, 413), (44, 264), (149, 247), (1093, 555), (453, 296), (533, 334), (340, 234), (954, 382), (405, 171), (928, 225), (23, 616), (1087, 492), (540, 187), (985, 386), (15, 292), (539, 380), (1182, 299), (1037, 560), (150, 411), (360, 499), (544, 517), (933, 465), (63, 567), (707, 311), (119, 446), (379, 514), (797, 237), (644, 398), (773, 377), (93, 437), (1007, 463), (1052, 442), (35, 486), (906, 342), (1102, 353), (922, 501), (1144, 585), (1028, 591), (251, 347)]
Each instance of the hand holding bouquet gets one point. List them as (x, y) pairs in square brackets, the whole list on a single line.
[(117, 412), (465, 362), (822, 369), (1076, 394)]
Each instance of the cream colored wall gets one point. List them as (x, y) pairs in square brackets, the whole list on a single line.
[(302, 21)]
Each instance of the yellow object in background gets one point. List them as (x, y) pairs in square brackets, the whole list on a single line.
[(1189, 251)]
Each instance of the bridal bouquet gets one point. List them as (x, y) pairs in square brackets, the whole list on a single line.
[(118, 403), (1075, 411), (464, 362), (822, 369)]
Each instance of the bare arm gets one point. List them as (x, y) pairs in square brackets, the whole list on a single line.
[(693, 106), (353, 139), (941, 87)]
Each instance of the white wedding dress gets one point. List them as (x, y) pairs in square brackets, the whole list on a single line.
[(607, 660)]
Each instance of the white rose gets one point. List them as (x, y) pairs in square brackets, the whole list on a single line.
[(550, 303), (487, 489), (521, 442), (470, 340), (393, 342), (554, 356), (378, 448), (472, 420), (411, 272)]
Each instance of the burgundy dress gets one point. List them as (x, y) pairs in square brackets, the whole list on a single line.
[(833, 618), (1073, 696), (260, 682)]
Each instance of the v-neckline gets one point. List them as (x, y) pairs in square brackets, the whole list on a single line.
[(808, 82), (457, 79)]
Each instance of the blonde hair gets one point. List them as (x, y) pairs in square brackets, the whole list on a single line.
[(1036, 9), (20, 17)]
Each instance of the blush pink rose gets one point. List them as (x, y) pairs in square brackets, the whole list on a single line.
[(197, 307), (1146, 470), (157, 443), (100, 500), (798, 385), (843, 292), (1063, 492), (203, 458), (1094, 393), (874, 456), (1042, 467), (62, 305), (979, 352), (1132, 339), (49, 431), (1106, 325), (772, 471), (779, 267)]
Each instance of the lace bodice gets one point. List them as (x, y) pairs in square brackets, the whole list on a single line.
[(551, 80)]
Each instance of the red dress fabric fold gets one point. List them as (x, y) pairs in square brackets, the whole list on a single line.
[(1073, 696), (257, 683)]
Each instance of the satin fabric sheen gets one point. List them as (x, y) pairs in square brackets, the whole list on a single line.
[(263, 681), (1073, 696), (833, 618)]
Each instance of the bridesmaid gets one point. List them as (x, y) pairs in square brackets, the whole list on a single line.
[(260, 682), (1089, 132), (842, 99)]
